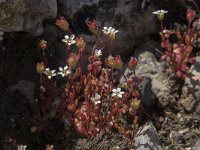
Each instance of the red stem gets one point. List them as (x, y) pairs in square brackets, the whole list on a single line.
[(67, 51), (110, 49), (96, 39), (161, 25)]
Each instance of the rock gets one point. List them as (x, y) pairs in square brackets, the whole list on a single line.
[(146, 94), (21, 15), (150, 68), (15, 113), (2, 1), (191, 90), (25, 88), (50, 34), (147, 138), (176, 136), (196, 146), (122, 15), (1, 35), (103, 141)]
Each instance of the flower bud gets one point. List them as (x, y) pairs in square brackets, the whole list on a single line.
[(80, 43), (73, 60), (40, 68), (191, 14), (115, 62), (49, 147), (160, 14), (178, 74), (132, 63), (43, 44), (135, 104), (92, 25), (62, 23)]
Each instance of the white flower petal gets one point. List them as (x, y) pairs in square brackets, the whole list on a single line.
[(49, 77), (54, 74), (61, 68), (97, 102), (119, 89), (73, 41), (105, 28), (119, 95), (109, 29), (66, 37), (47, 69), (116, 31), (64, 40), (122, 92), (163, 11), (113, 94), (114, 90), (53, 71), (66, 67), (72, 36), (112, 30)]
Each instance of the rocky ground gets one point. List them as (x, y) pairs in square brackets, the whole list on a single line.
[(172, 105)]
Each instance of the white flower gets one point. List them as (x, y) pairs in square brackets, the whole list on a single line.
[(64, 71), (160, 12), (98, 52), (69, 40), (109, 30), (96, 99), (106, 30), (117, 93), (50, 73)]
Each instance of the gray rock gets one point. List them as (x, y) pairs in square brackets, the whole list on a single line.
[(2, 1), (25, 88), (21, 15), (192, 82), (1, 35), (196, 146), (122, 15), (70, 7), (149, 67), (15, 115), (146, 94), (50, 34), (176, 136), (147, 138), (191, 90)]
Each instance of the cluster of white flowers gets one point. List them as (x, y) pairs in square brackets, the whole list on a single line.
[(115, 93), (109, 30), (63, 72)]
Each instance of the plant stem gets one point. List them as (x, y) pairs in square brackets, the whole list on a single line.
[(96, 39), (110, 49), (67, 51), (161, 25)]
